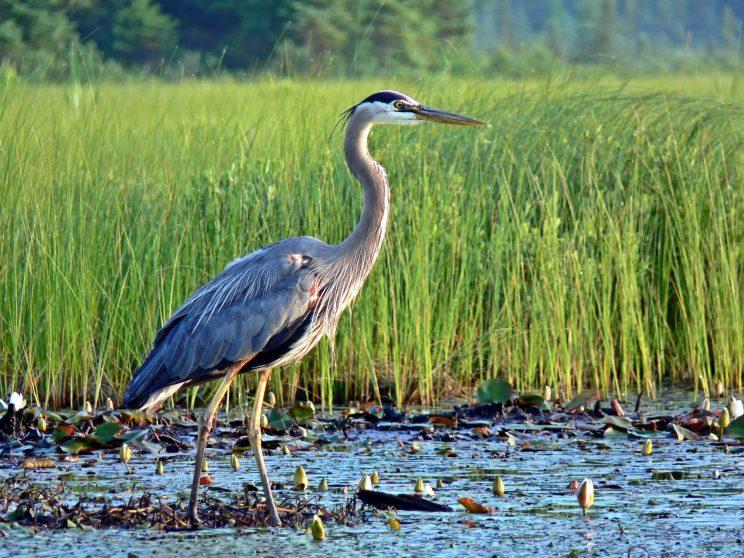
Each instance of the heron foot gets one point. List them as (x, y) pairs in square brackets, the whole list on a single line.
[(194, 520)]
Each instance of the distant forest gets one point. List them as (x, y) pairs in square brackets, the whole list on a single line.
[(50, 39)]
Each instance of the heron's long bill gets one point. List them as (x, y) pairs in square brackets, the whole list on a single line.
[(435, 115)]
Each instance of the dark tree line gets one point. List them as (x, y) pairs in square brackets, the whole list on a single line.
[(43, 37)]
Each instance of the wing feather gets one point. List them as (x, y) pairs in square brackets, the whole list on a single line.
[(238, 314)]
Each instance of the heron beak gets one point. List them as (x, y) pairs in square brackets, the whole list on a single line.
[(423, 112)]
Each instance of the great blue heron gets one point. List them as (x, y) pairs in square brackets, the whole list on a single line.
[(271, 307)]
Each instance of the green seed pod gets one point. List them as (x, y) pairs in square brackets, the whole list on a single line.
[(159, 467), (725, 419), (300, 478), (125, 454), (234, 462), (498, 487), (648, 448), (316, 528), (419, 486), (375, 478), (41, 424), (585, 495), (271, 398), (323, 485)]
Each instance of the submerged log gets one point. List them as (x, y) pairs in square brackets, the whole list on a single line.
[(402, 502)]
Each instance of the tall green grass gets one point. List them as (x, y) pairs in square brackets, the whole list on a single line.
[(590, 235)]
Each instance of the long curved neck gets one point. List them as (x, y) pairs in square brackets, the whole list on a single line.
[(364, 243)]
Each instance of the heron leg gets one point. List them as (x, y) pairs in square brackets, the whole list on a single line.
[(254, 434), (205, 426)]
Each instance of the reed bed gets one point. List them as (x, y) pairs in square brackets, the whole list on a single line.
[(590, 236)]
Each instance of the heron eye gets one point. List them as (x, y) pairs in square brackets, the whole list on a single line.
[(399, 105)]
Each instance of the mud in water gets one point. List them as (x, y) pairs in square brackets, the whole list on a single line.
[(686, 498)]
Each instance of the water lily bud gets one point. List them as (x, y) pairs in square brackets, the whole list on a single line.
[(547, 394), (271, 398), (300, 478), (648, 448), (440, 483), (264, 421), (88, 408), (125, 454), (394, 524), (735, 408), (365, 483), (706, 404), (159, 467), (309, 405), (585, 496), (419, 486), (303, 432), (316, 528), (234, 462), (712, 437), (205, 466), (511, 441), (323, 486), (375, 478), (109, 404), (285, 450), (428, 490), (725, 419), (719, 388), (498, 487), (415, 447), (41, 424)]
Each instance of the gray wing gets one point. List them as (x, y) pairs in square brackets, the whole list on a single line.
[(255, 305)]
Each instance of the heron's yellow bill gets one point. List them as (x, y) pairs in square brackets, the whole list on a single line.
[(423, 112)]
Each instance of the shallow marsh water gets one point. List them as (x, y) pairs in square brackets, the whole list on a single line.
[(636, 512)]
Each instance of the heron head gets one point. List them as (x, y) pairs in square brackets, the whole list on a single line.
[(391, 107)]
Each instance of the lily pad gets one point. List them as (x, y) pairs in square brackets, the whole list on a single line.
[(736, 427), (494, 391), (131, 435), (531, 400), (106, 431), (620, 423), (301, 413), (580, 400), (684, 433), (278, 420), (76, 445)]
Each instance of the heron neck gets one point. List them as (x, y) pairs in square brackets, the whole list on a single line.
[(366, 238)]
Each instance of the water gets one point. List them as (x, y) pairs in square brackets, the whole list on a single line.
[(636, 512)]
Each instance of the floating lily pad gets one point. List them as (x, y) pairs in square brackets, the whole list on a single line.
[(684, 433), (106, 431), (279, 420), (736, 428), (494, 391), (531, 400), (620, 423), (131, 435), (580, 400)]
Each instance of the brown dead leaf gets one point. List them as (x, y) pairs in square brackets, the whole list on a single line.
[(38, 464), (474, 507), (444, 421), (482, 431)]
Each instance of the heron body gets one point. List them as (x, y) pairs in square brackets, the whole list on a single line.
[(271, 307)]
